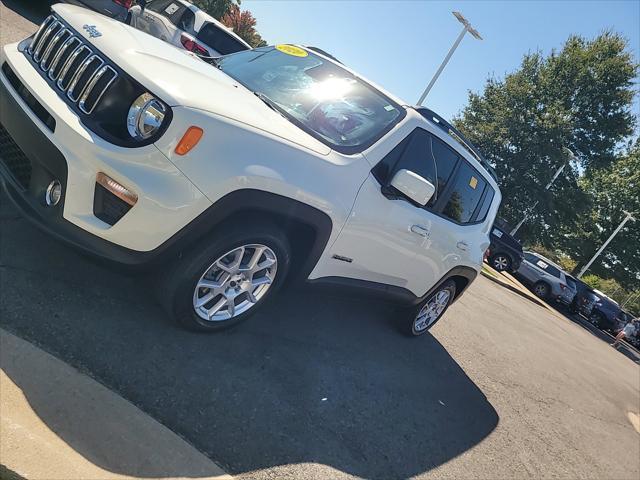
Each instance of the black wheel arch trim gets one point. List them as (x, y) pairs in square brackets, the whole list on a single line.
[(249, 201)]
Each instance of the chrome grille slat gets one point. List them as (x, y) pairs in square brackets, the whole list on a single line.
[(54, 41), (67, 66), (67, 59), (59, 55), (94, 81), (44, 38), (78, 76), (38, 35)]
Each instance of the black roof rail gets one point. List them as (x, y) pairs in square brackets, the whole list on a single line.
[(322, 52), (455, 133)]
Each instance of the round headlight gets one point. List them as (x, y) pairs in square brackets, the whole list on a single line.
[(145, 116)]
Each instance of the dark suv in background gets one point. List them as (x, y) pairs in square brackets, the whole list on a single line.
[(606, 314), (585, 299), (505, 252)]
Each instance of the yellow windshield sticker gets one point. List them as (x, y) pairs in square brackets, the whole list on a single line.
[(292, 50), (473, 183)]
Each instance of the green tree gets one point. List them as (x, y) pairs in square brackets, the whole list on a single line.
[(612, 190), (243, 24), (579, 98), (216, 8)]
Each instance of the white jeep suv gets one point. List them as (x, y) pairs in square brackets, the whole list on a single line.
[(231, 176)]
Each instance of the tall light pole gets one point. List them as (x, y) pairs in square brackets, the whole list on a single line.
[(467, 28), (627, 217), (553, 179)]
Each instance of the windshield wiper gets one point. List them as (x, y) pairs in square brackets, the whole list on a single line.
[(270, 103)]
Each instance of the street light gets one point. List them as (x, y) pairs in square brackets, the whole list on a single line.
[(627, 217), (467, 28), (553, 179)]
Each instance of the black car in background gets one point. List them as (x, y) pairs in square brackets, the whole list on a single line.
[(505, 252), (117, 9), (585, 299), (606, 314)]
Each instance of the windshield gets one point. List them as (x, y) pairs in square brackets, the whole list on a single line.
[(319, 96)]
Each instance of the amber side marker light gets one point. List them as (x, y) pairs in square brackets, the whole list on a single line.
[(189, 140), (123, 193)]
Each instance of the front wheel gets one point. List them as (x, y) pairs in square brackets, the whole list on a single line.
[(422, 318), (224, 281)]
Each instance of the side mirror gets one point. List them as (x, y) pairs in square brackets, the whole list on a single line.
[(142, 4), (413, 186)]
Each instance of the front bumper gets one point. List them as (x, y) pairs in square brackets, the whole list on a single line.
[(62, 148)]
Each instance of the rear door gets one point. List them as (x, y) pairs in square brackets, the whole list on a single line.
[(392, 241)]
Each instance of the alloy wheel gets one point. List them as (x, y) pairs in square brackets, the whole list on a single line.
[(540, 290), (500, 263), (235, 282), (431, 310)]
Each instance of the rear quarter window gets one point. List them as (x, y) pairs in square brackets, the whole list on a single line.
[(463, 197), (219, 40)]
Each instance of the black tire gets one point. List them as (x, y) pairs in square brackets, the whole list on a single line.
[(501, 262), (409, 315), (179, 282), (541, 290)]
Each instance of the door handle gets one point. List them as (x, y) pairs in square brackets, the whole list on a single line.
[(420, 230), (463, 246)]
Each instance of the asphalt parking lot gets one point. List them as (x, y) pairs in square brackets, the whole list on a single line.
[(321, 386)]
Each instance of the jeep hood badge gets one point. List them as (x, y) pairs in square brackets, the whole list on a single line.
[(92, 31)]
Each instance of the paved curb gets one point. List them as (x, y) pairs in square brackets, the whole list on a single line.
[(514, 289), (57, 423)]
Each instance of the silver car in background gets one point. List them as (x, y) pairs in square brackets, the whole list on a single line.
[(546, 279)]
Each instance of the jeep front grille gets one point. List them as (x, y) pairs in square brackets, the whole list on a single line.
[(75, 68)]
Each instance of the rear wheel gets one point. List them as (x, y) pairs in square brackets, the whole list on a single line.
[(225, 280), (419, 320), (500, 262), (541, 290)]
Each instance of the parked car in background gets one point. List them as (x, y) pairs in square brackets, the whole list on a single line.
[(117, 9), (505, 252), (584, 300), (186, 26), (605, 313), (546, 279)]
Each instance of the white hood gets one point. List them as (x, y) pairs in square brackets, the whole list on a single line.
[(179, 78)]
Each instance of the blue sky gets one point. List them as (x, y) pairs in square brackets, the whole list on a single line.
[(399, 44)]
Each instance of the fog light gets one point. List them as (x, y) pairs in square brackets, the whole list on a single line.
[(117, 189), (53, 194)]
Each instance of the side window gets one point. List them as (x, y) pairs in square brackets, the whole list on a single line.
[(158, 5), (486, 204), (413, 153), (445, 159), (531, 258), (416, 156), (187, 21), (464, 194)]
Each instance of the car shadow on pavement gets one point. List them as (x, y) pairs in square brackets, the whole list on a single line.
[(312, 378)]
